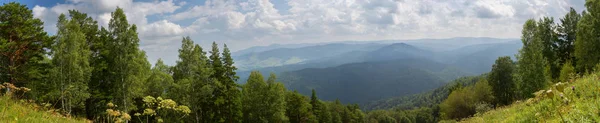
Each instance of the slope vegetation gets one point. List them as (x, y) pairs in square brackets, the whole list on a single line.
[(579, 103), (18, 111)]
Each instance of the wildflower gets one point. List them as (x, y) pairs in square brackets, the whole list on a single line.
[(110, 105), (125, 116), (149, 112), (573, 87), (24, 89), (137, 114)]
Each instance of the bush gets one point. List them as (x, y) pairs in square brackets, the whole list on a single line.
[(566, 72), (466, 101)]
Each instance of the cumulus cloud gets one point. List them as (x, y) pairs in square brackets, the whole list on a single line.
[(245, 23)]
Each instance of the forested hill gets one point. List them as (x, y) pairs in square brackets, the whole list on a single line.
[(364, 82)]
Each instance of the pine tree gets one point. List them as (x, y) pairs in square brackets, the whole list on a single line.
[(501, 80), (530, 68), (23, 45), (71, 70)]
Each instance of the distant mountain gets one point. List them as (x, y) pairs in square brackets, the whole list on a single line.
[(258, 49), (288, 56), (481, 60), (364, 82), (386, 68)]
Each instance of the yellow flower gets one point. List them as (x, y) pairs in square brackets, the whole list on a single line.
[(110, 105), (125, 116)]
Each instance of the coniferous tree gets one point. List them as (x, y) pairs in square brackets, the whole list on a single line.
[(501, 80), (227, 98), (567, 34), (23, 45), (531, 63), (319, 109)]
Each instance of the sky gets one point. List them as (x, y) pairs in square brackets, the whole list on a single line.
[(245, 23)]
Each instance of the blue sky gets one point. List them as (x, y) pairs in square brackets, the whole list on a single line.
[(246, 23)]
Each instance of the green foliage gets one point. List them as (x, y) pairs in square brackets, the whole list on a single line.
[(193, 85), (160, 81), (464, 102), (586, 42), (298, 108), (502, 82), (427, 99), (127, 65), (228, 107), (545, 34), (567, 31), (23, 45), (18, 111), (567, 72), (71, 69), (530, 69), (578, 103)]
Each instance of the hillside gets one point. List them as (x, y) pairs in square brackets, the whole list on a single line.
[(14, 111), (425, 99), (363, 82), (579, 106)]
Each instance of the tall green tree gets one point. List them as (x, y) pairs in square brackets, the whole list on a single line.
[(127, 65), (228, 107), (276, 100), (71, 69), (548, 38), (587, 38), (501, 80), (193, 83), (567, 32), (255, 99), (531, 63), (23, 45), (319, 109)]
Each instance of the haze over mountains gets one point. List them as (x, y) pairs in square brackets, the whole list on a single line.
[(361, 72)]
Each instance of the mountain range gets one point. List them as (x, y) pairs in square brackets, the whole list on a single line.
[(361, 72)]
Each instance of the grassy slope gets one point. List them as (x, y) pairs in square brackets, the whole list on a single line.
[(583, 106), (12, 111)]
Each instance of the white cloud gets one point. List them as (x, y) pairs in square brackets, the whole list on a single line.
[(245, 23)]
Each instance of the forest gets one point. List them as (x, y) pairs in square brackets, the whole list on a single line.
[(100, 74)]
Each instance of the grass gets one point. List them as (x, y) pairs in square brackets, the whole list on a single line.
[(13, 111), (580, 105)]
